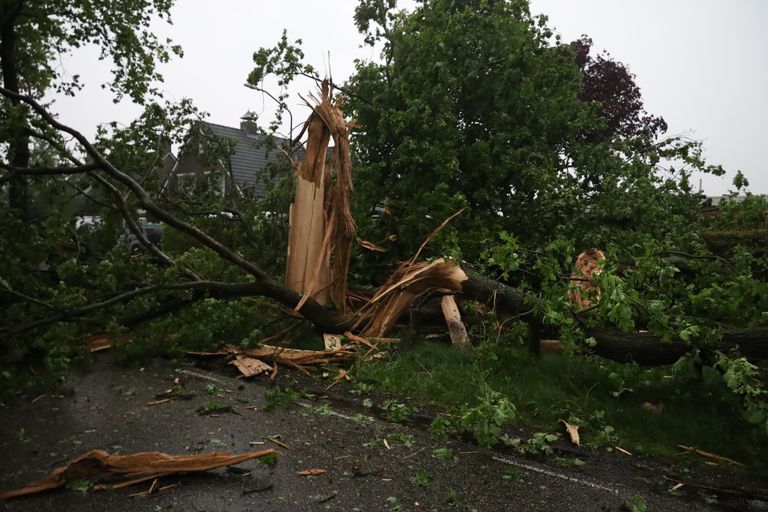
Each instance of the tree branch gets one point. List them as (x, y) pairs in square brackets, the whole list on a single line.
[(264, 285), (140, 193), (44, 171)]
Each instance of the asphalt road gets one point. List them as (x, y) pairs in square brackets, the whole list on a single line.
[(109, 409)]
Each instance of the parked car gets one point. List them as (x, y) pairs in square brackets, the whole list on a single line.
[(152, 230), (89, 225)]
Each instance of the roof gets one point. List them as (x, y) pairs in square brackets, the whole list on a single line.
[(251, 155)]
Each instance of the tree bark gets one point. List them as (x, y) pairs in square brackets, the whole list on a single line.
[(647, 349)]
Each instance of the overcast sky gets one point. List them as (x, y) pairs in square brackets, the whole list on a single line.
[(700, 64)]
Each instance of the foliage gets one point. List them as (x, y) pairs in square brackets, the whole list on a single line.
[(80, 486), (443, 453), (397, 411), (637, 504), (582, 390), (279, 398), (474, 105), (739, 220), (421, 478), (484, 420), (612, 85), (47, 29), (538, 444), (741, 377), (402, 438), (33, 38), (284, 61), (211, 407)]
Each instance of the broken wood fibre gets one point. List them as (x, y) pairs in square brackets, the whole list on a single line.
[(321, 225), (116, 471), (407, 284)]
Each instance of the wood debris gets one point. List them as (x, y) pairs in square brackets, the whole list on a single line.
[(573, 432), (293, 357), (654, 408), (710, 455), (332, 342), (409, 281), (365, 244), (117, 471), (265, 359), (278, 442), (249, 366), (551, 346), (343, 374), (103, 341), (312, 472), (589, 264), (456, 329), (99, 344)]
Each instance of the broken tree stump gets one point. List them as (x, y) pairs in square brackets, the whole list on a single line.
[(456, 329)]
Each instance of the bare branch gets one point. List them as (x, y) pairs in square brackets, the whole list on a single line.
[(45, 171), (28, 298)]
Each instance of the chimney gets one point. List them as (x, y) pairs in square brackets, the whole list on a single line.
[(248, 124)]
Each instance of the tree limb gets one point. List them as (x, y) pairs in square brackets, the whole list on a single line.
[(44, 171)]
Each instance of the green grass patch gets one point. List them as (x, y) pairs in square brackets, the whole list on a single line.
[(604, 398)]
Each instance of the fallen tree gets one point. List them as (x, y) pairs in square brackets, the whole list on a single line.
[(387, 305)]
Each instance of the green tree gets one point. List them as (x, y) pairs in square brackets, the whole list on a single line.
[(35, 34), (475, 104)]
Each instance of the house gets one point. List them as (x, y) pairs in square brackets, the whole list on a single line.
[(230, 158)]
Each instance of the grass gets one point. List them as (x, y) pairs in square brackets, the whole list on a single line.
[(604, 398)]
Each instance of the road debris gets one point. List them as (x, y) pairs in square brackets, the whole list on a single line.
[(312, 472), (710, 455), (249, 366), (118, 471), (278, 442)]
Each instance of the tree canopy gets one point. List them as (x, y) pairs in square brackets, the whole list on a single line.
[(476, 104), (35, 35)]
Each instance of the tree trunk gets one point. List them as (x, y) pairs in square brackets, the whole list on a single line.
[(647, 349), (641, 347), (19, 140)]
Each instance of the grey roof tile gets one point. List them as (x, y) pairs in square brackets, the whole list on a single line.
[(251, 155)]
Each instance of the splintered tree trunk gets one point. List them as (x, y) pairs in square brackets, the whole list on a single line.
[(321, 225), (307, 270)]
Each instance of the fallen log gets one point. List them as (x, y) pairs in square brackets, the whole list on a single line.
[(647, 349), (643, 348)]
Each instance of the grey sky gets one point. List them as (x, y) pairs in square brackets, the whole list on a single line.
[(701, 64)]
